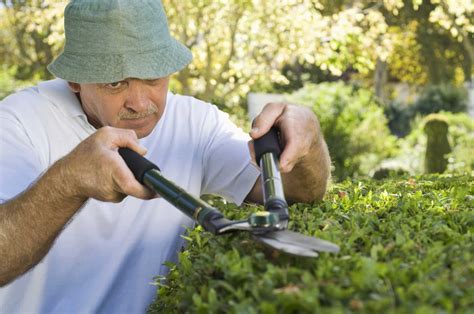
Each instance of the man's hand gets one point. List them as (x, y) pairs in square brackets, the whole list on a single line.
[(30, 222), (304, 161), (99, 172)]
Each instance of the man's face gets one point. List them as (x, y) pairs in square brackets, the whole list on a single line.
[(130, 104)]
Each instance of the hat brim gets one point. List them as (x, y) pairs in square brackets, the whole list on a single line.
[(107, 68)]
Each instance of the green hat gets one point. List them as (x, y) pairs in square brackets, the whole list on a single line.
[(110, 40)]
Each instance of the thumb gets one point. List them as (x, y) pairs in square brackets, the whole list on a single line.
[(266, 119)]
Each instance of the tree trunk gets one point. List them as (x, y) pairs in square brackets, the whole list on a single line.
[(380, 79)]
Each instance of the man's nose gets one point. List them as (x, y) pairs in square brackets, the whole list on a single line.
[(137, 99)]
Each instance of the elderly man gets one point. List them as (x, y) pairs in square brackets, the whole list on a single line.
[(70, 239)]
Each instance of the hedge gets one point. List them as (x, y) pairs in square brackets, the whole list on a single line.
[(406, 247)]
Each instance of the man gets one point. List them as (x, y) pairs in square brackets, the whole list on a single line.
[(70, 239)]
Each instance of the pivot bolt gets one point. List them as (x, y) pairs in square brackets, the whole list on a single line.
[(263, 219)]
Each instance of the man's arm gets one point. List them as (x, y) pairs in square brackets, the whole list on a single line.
[(305, 163), (30, 222)]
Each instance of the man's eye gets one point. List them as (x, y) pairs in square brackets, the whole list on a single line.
[(114, 85)]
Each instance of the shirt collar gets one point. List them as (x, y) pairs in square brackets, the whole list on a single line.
[(59, 93)]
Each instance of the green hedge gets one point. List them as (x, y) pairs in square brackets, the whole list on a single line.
[(406, 247)]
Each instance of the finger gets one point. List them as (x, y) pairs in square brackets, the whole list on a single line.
[(297, 145), (127, 184), (128, 138), (290, 155), (124, 178), (266, 119)]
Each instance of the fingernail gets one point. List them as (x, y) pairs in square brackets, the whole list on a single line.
[(254, 130)]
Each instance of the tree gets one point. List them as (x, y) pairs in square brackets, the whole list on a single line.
[(243, 45), (31, 36), (444, 32)]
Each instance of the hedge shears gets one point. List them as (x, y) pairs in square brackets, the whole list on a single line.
[(268, 226)]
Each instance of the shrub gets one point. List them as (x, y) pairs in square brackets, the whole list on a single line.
[(399, 117), (433, 99), (353, 124), (460, 137), (437, 145), (406, 247), (436, 98)]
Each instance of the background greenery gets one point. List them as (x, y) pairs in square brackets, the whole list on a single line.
[(402, 58)]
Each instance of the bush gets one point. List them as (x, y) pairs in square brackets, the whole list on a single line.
[(406, 247), (460, 137), (399, 117), (436, 98), (437, 144), (433, 99), (353, 124)]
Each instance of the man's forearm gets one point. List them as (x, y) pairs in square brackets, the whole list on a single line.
[(30, 222), (309, 179)]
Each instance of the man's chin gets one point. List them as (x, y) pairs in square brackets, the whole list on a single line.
[(142, 134), (143, 127)]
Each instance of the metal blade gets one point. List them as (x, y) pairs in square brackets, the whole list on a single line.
[(296, 239), (288, 248)]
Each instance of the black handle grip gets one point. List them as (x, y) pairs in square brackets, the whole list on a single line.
[(138, 164), (268, 143)]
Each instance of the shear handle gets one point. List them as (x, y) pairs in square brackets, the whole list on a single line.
[(267, 153), (148, 174)]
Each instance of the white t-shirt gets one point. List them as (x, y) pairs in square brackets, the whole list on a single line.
[(106, 257)]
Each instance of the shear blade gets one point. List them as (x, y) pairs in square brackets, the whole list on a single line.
[(299, 240), (287, 248)]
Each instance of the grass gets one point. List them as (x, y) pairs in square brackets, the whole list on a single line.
[(406, 247)]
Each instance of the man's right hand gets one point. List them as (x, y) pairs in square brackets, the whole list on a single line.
[(98, 171), (31, 221)]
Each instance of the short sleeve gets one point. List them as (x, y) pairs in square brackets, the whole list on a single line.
[(228, 170), (19, 163)]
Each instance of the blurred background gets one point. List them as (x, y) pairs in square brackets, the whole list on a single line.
[(391, 81)]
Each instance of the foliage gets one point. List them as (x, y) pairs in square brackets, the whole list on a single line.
[(240, 46), (243, 45), (406, 247), (437, 144), (399, 117), (436, 98), (432, 99), (406, 63), (353, 124), (461, 140), (31, 35), (443, 31)]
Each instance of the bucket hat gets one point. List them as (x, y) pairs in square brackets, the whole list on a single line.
[(110, 40)]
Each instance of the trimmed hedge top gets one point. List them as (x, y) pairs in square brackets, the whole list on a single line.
[(406, 246)]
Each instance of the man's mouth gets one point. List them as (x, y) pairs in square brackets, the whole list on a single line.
[(127, 115)]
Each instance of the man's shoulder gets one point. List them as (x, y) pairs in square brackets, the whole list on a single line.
[(16, 99), (188, 105), (26, 99), (189, 102), (46, 96)]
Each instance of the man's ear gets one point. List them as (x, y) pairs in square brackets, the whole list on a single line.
[(75, 87)]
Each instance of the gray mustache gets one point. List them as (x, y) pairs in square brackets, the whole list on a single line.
[(127, 115)]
